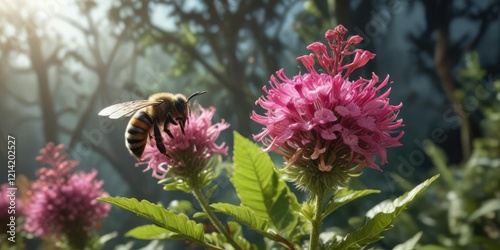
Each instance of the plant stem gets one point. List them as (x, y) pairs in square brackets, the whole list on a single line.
[(316, 222), (211, 215)]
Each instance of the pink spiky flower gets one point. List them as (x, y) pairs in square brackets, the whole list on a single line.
[(188, 153), (62, 202), (324, 122)]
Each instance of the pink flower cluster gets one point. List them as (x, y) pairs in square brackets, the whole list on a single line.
[(325, 120), (190, 150), (61, 201)]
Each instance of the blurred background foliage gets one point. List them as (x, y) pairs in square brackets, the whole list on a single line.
[(64, 60)]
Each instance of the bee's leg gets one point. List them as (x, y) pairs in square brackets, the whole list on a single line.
[(168, 120), (168, 133), (182, 123), (159, 139)]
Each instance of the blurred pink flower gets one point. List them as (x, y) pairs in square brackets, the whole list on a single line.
[(326, 121), (61, 201), (187, 152)]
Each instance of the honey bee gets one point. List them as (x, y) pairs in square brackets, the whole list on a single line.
[(158, 112)]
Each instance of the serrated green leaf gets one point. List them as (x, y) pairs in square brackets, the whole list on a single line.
[(409, 244), (176, 223), (260, 188), (150, 232), (243, 215), (382, 220), (344, 196), (247, 217)]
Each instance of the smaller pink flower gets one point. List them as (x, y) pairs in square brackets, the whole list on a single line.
[(189, 152), (62, 202)]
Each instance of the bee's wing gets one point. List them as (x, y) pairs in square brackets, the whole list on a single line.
[(126, 108)]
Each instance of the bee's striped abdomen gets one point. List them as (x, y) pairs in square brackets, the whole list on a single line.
[(136, 134)]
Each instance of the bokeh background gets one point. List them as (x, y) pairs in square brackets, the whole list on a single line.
[(64, 60)]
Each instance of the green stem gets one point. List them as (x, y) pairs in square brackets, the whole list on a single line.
[(316, 222), (211, 215)]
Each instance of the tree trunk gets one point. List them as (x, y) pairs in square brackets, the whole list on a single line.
[(50, 126)]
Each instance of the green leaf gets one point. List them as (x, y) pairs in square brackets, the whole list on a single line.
[(404, 183), (200, 215), (247, 217), (472, 72), (176, 185), (234, 228), (243, 215), (211, 191), (107, 237), (217, 239), (176, 223), (307, 210), (438, 157), (236, 232), (260, 188), (383, 216), (433, 247), (409, 244), (344, 196), (487, 207), (152, 232)]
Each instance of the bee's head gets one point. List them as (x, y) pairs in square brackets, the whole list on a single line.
[(180, 105)]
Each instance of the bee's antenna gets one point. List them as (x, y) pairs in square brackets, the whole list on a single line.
[(196, 94)]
